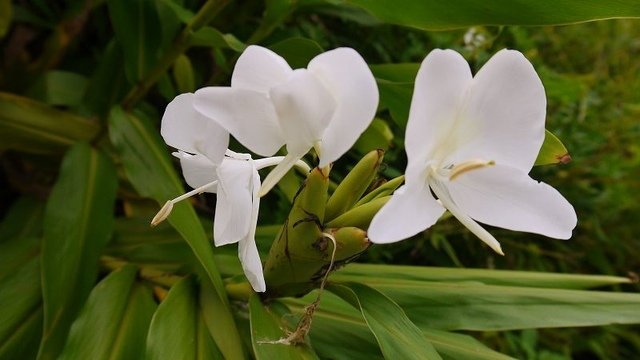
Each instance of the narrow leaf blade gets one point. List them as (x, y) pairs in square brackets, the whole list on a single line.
[(149, 169), (438, 15), (114, 321), (77, 225), (397, 336)]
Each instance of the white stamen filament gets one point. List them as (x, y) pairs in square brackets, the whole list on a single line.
[(284, 164), (275, 160), (468, 222), (168, 206)]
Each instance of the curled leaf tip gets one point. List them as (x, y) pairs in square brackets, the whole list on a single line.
[(564, 159)]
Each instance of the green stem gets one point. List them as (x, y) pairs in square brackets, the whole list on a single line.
[(208, 11)]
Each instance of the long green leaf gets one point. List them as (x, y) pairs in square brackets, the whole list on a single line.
[(339, 332), (23, 343), (114, 322), (21, 299), (31, 126), (266, 328), (214, 316), (139, 31), (162, 247), (148, 167), (177, 329), (472, 306), (372, 273), (397, 336), (24, 219), (107, 84), (440, 15), (77, 224)]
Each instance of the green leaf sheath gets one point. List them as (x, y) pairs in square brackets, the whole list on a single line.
[(78, 222), (114, 321), (396, 335), (148, 167), (438, 15)]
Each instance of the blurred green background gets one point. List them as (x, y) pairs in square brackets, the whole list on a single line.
[(61, 54)]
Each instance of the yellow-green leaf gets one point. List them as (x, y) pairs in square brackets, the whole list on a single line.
[(553, 151)]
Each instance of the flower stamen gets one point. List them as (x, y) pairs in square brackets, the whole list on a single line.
[(467, 166), (164, 213)]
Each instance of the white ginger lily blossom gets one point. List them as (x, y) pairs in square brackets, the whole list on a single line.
[(472, 142), (325, 106), (208, 166)]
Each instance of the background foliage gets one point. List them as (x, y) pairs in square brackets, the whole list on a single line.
[(83, 85)]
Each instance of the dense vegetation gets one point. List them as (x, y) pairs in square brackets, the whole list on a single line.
[(88, 81)]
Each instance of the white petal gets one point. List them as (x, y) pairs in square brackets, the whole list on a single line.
[(345, 73), (304, 107), (505, 113), (248, 115), (508, 198), (186, 129), (259, 69), (442, 81), (247, 250), (234, 202), (410, 211), (197, 170)]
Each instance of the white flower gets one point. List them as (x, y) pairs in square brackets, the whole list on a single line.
[(326, 106), (472, 141), (208, 166)]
